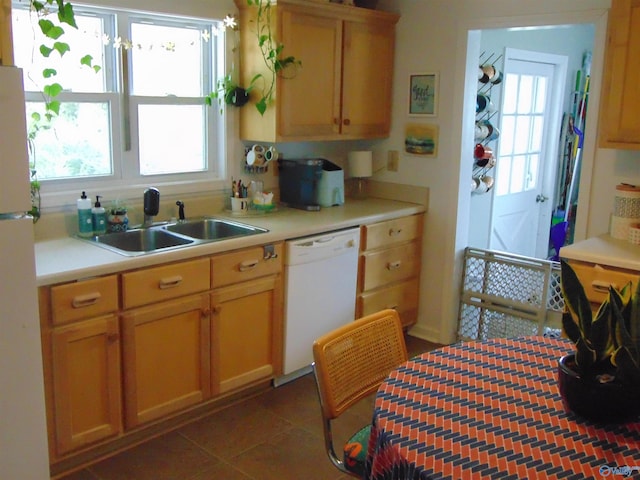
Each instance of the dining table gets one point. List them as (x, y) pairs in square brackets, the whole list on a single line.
[(491, 409)]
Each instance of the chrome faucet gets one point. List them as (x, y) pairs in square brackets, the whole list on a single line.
[(151, 205)]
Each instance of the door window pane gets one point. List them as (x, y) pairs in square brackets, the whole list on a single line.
[(525, 94), (172, 138)]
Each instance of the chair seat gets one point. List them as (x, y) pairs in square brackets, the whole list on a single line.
[(355, 450)]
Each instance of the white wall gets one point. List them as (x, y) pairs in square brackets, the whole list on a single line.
[(433, 36)]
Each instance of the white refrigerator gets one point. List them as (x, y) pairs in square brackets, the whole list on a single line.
[(23, 435)]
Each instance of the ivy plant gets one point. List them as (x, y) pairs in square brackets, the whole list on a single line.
[(271, 53), (53, 28)]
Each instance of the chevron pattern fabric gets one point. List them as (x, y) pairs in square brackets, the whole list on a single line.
[(491, 410)]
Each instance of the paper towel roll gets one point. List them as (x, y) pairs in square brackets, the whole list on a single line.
[(360, 164)]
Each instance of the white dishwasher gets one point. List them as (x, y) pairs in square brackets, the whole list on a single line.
[(320, 290)]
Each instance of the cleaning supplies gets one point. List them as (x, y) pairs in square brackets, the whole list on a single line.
[(99, 217), (85, 223)]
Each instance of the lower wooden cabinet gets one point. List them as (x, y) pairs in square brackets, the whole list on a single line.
[(85, 361), (246, 333), (389, 267), (165, 358)]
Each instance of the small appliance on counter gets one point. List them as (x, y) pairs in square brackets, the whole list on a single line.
[(331, 185), (299, 180)]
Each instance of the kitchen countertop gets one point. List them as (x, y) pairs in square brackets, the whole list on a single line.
[(604, 250), (69, 259)]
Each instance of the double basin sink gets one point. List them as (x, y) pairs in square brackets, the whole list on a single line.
[(140, 241)]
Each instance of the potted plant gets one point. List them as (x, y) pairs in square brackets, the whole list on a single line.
[(601, 380), (229, 92)]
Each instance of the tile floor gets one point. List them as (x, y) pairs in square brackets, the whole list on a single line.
[(276, 435)]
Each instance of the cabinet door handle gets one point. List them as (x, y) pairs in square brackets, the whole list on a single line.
[(602, 286), (393, 232), (170, 282), (393, 265), (82, 301), (248, 265)]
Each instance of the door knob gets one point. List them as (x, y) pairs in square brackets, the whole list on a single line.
[(541, 199)]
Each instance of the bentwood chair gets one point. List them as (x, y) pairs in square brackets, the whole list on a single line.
[(350, 363)]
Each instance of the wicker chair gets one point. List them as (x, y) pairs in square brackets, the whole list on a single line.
[(350, 363)]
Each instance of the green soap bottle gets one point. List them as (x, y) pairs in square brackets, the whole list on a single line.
[(85, 222)]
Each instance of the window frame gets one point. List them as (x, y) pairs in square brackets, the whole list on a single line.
[(126, 180)]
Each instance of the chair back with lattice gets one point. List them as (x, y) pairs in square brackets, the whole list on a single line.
[(352, 361)]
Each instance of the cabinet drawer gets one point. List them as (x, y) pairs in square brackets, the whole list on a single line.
[(383, 267), (84, 299), (390, 232), (596, 280), (402, 297), (245, 265), (161, 283)]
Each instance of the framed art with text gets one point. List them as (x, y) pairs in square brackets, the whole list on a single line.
[(423, 94)]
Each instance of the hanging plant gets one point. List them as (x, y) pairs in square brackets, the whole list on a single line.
[(271, 53)]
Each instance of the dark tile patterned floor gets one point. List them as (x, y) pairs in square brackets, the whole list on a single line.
[(274, 436)]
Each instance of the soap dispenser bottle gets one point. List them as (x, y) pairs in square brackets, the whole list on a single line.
[(85, 222), (99, 217)]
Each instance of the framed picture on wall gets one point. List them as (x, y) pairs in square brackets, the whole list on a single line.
[(423, 94), (421, 139)]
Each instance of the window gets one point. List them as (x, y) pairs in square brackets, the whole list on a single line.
[(523, 113), (141, 117)]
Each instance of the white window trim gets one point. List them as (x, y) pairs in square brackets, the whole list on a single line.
[(61, 194)]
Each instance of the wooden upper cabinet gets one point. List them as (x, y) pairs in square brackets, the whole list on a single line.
[(6, 45), (619, 125), (343, 89), (367, 79)]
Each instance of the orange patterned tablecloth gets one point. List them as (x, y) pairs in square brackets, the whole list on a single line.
[(491, 409)]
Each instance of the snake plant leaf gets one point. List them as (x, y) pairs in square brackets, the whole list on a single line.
[(585, 355), (575, 298), (628, 369), (601, 328), (570, 327)]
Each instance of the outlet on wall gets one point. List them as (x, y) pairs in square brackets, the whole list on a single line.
[(392, 161)]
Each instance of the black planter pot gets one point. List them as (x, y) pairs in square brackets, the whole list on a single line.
[(600, 402), (237, 97)]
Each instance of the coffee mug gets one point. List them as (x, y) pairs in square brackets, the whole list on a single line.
[(271, 154), (255, 159)]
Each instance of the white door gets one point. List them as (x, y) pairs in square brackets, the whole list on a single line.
[(527, 152)]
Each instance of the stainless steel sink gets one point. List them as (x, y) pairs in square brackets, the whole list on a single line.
[(141, 241), (213, 229)]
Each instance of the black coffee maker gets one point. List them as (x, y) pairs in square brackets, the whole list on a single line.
[(299, 182)]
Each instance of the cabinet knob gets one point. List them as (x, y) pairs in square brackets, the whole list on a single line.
[(217, 309), (347, 121), (393, 265), (113, 337), (394, 232), (336, 121)]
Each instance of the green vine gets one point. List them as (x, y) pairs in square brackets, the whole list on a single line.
[(271, 53), (52, 27)]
